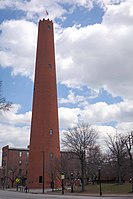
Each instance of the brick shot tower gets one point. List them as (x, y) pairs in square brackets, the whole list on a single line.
[(44, 146)]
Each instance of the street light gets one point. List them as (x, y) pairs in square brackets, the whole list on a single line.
[(71, 182), (99, 177), (129, 144), (62, 182)]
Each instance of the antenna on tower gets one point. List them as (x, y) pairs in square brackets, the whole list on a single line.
[(46, 14)]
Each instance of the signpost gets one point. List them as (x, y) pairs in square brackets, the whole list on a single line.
[(17, 181)]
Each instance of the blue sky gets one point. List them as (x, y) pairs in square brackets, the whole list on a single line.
[(93, 42)]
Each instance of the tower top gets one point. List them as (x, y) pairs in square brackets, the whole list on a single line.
[(45, 20)]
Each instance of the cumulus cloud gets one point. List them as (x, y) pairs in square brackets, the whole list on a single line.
[(68, 117), (14, 128), (36, 9), (97, 113), (13, 118), (125, 126), (17, 46), (101, 112), (14, 136), (99, 55), (73, 98)]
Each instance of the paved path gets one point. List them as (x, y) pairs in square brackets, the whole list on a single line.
[(19, 195)]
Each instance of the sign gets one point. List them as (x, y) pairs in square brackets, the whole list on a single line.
[(17, 180)]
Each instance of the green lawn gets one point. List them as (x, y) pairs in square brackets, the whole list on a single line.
[(108, 188)]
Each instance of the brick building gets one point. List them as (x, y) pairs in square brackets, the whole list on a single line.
[(14, 165), (1, 177)]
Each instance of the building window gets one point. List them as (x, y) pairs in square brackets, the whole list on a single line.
[(51, 132), (20, 154), (49, 27), (20, 162)]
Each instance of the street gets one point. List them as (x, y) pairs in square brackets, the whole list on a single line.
[(19, 195)]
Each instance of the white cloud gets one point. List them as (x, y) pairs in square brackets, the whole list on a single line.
[(13, 118), (14, 136), (122, 128), (125, 127), (14, 128), (68, 117), (72, 98), (35, 9), (101, 112), (99, 55), (103, 131), (78, 100), (17, 46), (97, 113)]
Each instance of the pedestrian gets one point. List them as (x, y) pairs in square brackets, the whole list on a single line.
[(26, 188)]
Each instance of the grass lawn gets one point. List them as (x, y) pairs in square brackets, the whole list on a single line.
[(108, 188)]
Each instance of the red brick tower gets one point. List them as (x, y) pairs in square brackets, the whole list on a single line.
[(44, 141)]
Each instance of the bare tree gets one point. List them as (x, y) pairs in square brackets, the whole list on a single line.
[(12, 175), (94, 159), (4, 105), (117, 148), (78, 140), (54, 172), (129, 145)]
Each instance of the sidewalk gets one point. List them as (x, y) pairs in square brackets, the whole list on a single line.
[(50, 192), (91, 194)]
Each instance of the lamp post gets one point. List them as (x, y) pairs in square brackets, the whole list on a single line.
[(71, 182), (62, 182), (129, 144), (99, 176)]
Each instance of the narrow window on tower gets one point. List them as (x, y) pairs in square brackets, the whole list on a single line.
[(49, 27), (50, 65), (51, 132), (51, 156)]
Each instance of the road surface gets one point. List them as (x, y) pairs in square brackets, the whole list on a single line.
[(19, 195)]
